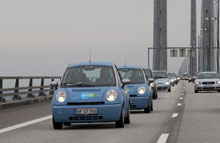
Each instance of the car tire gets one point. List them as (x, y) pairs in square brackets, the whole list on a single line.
[(152, 108), (218, 90), (127, 119), (120, 123), (155, 95), (148, 109), (57, 125), (169, 90), (196, 91)]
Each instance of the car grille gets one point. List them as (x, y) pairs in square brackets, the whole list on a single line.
[(208, 82), (85, 103), (83, 118), (133, 95)]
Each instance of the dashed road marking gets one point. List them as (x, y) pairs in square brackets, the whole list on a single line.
[(179, 104), (24, 124), (163, 138), (181, 98), (175, 115)]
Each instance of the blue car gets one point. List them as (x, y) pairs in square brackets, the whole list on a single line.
[(138, 88), (163, 80), (88, 93)]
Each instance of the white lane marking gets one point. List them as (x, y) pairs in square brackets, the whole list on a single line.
[(181, 98), (175, 115), (182, 94), (163, 138), (24, 124), (179, 104)]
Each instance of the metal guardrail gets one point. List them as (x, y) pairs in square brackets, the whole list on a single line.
[(29, 90)]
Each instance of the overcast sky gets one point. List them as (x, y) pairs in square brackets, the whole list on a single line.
[(41, 37)]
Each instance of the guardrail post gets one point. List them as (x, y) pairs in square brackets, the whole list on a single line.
[(42, 84), (51, 88), (30, 90), (16, 90), (2, 99)]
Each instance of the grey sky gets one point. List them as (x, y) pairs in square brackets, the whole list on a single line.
[(41, 37)]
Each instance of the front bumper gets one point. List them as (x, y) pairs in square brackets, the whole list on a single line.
[(139, 102), (207, 87), (163, 86), (106, 113)]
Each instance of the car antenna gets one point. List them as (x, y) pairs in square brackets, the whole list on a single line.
[(125, 61), (90, 56)]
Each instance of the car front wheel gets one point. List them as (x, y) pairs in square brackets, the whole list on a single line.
[(127, 119), (120, 122), (57, 125)]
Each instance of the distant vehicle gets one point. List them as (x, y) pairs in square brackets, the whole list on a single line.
[(152, 82), (185, 76), (191, 78), (175, 78), (207, 81), (172, 80), (91, 92), (137, 87), (162, 79)]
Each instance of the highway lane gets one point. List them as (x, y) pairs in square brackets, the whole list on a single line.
[(201, 119), (144, 128)]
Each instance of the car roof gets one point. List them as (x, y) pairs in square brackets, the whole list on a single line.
[(160, 71), (206, 72), (91, 64), (129, 67)]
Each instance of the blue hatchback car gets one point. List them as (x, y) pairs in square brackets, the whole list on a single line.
[(138, 87), (91, 92)]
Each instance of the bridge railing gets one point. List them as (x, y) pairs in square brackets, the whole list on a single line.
[(30, 90)]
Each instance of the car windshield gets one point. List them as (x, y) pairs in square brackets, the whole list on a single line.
[(135, 76), (148, 73), (170, 75), (160, 75), (89, 76), (207, 76)]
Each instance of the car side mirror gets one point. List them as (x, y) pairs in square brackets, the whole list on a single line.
[(125, 82), (150, 80), (54, 84)]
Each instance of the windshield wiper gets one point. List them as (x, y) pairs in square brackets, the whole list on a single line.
[(79, 84)]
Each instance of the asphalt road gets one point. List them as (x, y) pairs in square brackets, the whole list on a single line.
[(180, 116)]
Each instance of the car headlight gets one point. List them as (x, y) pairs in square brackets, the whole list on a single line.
[(141, 90), (111, 95), (152, 84), (218, 82), (167, 83), (61, 96), (198, 82), (172, 80)]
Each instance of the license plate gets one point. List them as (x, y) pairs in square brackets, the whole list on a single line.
[(208, 86), (87, 111)]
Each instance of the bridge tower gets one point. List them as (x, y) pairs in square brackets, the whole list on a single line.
[(160, 35), (193, 38), (207, 62)]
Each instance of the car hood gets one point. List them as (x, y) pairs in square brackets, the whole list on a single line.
[(86, 94), (207, 80), (162, 80)]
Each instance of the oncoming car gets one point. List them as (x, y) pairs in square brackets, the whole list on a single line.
[(163, 81), (137, 87), (207, 81), (90, 92)]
